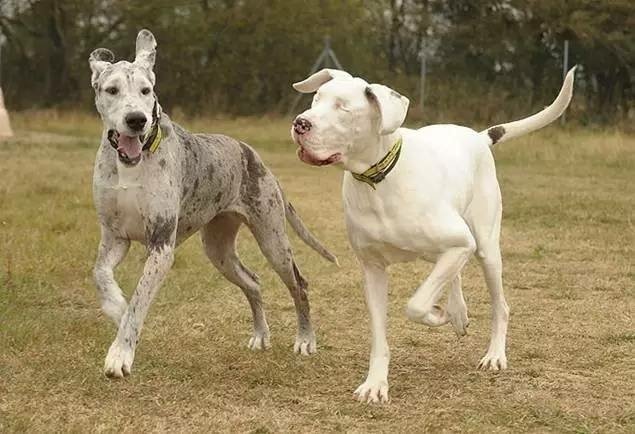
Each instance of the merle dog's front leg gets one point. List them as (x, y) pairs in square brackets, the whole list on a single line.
[(160, 242), (112, 250)]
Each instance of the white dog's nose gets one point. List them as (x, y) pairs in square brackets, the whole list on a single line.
[(301, 125), (136, 121)]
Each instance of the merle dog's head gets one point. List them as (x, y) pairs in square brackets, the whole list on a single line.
[(125, 97)]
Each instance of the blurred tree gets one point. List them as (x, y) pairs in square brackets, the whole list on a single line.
[(499, 58), (601, 33)]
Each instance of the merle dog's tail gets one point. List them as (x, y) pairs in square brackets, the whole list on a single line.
[(503, 132), (304, 233)]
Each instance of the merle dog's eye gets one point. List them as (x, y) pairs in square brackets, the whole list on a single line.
[(145, 90), (112, 90)]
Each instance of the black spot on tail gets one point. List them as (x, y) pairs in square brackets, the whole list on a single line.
[(302, 283), (495, 133)]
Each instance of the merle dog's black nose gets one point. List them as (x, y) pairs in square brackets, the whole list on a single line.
[(136, 121), (301, 125)]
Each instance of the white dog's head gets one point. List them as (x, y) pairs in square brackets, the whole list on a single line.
[(346, 116), (124, 96)]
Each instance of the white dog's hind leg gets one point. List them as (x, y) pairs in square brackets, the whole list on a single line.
[(111, 252), (456, 308), (485, 216), (422, 305), (375, 388), (493, 268)]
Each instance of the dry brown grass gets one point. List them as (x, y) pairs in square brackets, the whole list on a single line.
[(568, 240)]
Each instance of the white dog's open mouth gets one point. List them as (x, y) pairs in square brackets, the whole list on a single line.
[(308, 157), (311, 159), (128, 147)]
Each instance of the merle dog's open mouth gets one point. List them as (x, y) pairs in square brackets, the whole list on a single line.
[(128, 147)]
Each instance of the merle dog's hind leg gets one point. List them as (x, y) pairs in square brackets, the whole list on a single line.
[(269, 229), (111, 252), (219, 241)]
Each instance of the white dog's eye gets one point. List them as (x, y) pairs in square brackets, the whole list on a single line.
[(145, 90), (112, 90), (340, 106)]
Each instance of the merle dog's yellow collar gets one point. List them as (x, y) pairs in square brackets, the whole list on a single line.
[(153, 139), (378, 171)]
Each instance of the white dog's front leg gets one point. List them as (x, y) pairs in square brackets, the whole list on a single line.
[(456, 308), (121, 353), (422, 306), (375, 388)]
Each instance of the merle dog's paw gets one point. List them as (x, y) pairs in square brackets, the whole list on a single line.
[(119, 360), (305, 344)]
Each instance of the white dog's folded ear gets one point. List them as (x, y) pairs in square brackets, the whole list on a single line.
[(393, 107), (98, 60), (316, 80), (146, 49)]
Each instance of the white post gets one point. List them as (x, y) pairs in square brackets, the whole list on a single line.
[(422, 81), (565, 68), (5, 125)]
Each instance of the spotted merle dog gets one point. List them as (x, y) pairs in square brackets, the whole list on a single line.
[(158, 184)]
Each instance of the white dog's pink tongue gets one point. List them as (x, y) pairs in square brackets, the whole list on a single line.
[(131, 146)]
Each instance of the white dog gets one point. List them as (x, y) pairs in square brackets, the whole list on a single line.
[(430, 193)]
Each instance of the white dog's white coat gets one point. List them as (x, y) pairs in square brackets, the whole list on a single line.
[(441, 202)]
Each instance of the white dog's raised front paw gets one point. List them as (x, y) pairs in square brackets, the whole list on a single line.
[(494, 360), (259, 341), (372, 391), (305, 344), (458, 317), (118, 361), (435, 316)]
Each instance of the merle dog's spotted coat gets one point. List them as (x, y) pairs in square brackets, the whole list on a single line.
[(193, 182)]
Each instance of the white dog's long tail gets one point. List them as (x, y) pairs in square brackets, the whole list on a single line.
[(504, 132)]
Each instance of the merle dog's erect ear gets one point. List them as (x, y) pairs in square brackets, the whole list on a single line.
[(146, 49), (98, 61), (392, 106)]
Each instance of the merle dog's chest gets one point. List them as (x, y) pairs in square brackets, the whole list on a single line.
[(190, 178), (128, 199)]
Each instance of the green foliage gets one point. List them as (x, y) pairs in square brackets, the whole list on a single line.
[(240, 56)]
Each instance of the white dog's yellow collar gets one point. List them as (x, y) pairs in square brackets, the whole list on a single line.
[(378, 171)]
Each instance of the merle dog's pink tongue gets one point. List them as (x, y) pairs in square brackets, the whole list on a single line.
[(131, 146)]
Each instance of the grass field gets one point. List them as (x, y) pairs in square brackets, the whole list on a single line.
[(568, 248)]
